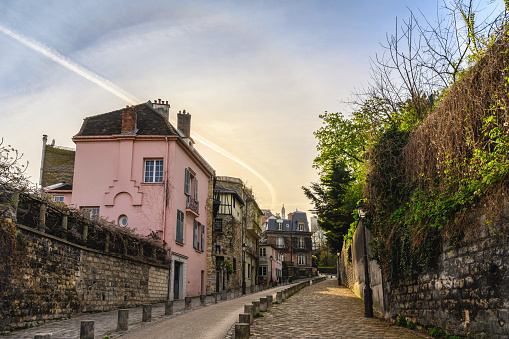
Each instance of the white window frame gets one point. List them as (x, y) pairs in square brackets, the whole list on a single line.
[(301, 227), (156, 173), (261, 270), (301, 259), (280, 242), (59, 198), (93, 211), (263, 252), (279, 225), (302, 243)]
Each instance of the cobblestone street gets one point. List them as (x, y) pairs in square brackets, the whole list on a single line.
[(325, 310)]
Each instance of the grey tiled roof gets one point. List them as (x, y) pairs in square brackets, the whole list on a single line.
[(289, 224), (149, 122)]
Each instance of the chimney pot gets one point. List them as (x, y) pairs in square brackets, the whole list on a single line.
[(159, 100), (166, 102)]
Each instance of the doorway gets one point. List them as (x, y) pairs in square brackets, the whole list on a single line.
[(176, 281)]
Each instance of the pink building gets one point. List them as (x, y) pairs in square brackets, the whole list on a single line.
[(271, 264), (136, 169)]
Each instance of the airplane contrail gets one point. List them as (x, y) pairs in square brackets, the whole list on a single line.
[(122, 94), (80, 70)]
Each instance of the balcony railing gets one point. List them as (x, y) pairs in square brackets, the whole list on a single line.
[(192, 205)]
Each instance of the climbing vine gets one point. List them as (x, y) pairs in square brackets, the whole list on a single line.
[(422, 187)]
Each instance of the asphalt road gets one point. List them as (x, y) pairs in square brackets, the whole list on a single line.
[(213, 321)]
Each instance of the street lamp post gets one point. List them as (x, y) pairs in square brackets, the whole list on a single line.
[(243, 268), (271, 263), (368, 292)]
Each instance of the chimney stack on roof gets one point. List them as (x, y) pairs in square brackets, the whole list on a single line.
[(162, 107), (184, 123), (129, 119)]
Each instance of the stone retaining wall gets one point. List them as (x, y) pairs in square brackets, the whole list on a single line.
[(57, 279), (466, 293)]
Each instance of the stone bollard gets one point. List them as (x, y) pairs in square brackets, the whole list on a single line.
[(251, 289), (263, 304), (269, 302), (249, 309), (216, 296), (168, 307), (43, 336), (242, 331), (147, 313), (87, 329), (256, 307), (224, 296), (203, 300), (245, 318), (188, 301), (123, 320), (279, 297)]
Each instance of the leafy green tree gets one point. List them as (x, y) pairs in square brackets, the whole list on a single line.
[(334, 199)]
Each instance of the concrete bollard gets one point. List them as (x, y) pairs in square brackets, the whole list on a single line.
[(263, 304), (242, 331), (249, 309), (147, 313), (224, 296), (203, 300), (269, 302), (87, 329), (245, 318), (43, 336), (123, 320), (256, 307), (188, 301), (279, 297), (168, 307)]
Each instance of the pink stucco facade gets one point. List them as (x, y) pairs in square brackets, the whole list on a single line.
[(110, 174)]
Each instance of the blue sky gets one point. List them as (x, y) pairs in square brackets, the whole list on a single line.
[(254, 75)]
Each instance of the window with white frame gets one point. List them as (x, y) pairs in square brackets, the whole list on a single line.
[(92, 212), (153, 170), (180, 226), (263, 252), (279, 225), (262, 271), (301, 259), (301, 227), (280, 242), (302, 243), (58, 198)]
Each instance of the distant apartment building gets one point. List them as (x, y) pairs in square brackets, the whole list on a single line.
[(318, 236), (292, 238), (134, 168), (235, 236)]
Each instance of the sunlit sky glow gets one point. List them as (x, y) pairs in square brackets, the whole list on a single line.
[(254, 75)]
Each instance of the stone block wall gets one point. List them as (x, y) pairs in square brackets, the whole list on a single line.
[(57, 279), (467, 293)]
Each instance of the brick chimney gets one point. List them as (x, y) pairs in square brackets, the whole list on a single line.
[(129, 119), (184, 123)]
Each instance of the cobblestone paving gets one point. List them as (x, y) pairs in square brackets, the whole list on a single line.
[(325, 310), (105, 323)]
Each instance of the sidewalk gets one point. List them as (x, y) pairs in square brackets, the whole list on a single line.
[(325, 310), (105, 323)]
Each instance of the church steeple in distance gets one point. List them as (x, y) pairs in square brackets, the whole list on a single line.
[(283, 212)]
